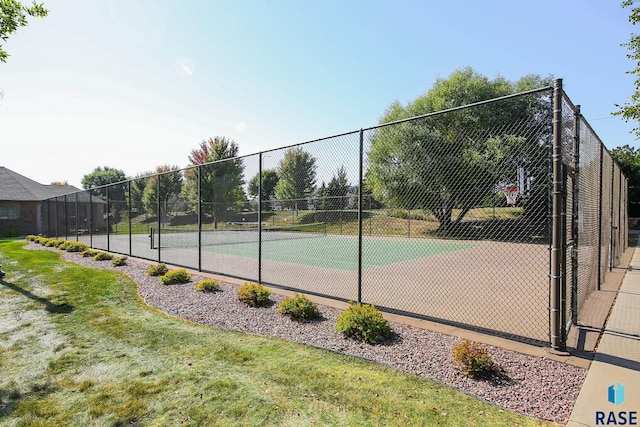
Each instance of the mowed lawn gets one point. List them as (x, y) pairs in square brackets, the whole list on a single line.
[(78, 347)]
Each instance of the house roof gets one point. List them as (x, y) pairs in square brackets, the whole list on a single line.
[(16, 187)]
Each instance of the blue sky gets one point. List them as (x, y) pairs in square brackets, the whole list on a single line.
[(137, 84)]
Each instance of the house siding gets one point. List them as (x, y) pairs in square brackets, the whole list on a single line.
[(28, 221)]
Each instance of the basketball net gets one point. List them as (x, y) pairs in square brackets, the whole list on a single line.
[(511, 194)]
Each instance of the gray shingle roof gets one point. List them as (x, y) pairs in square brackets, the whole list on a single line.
[(16, 187)]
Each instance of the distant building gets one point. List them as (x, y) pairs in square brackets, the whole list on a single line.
[(23, 212)]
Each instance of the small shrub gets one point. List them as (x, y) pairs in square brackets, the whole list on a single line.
[(10, 233), (89, 253), (74, 246), (157, 270), (472, 359), (41, 240), (60, 244), (299, 307), (417, 215), (102, 256), (175, 276), (207, 285), (254, 294), (119, 261), (50, 243), (363, 322), (31, 237)]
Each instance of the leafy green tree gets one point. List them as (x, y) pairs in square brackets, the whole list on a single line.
[(170, 180), (368, 200), (321, 198), (337, 190), (629, 160), (222, 177), (103, 176), (297, 172), (456, 160), (137, 187), (631, 109), (269, 181), (13, 15)]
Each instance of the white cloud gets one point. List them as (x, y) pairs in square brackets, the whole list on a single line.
[(187, 71), (184, 66)]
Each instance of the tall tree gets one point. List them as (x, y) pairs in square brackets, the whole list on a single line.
[(321, 198), (169, 179), (337, 190), (101, 177), (456, 160), (137, 188), (631, 109), (269, 181), (13, 15), (629, 160), (297, 172), (222, 177)]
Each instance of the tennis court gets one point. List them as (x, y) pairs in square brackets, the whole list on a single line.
[(340, 252), (499, 286)]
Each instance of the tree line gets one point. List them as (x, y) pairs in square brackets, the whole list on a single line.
[(447, 163), (215, 181)]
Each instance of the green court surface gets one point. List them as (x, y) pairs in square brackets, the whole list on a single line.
[(340, 253)]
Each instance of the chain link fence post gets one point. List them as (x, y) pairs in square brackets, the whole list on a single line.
[(360, 199), (557, 231), (260, 217)]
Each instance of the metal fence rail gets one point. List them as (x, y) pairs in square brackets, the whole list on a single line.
[(500, 216)]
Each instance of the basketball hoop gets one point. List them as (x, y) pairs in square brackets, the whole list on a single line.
[(511, 194)]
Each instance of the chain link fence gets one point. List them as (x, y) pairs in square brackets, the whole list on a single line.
[(447, 217)]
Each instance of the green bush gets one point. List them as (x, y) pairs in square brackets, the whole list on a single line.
[(41, 240), (363, 322), (299, 307), (207, 285), (31, 237), (119, 261), (60, 244), (70, 246), (157, 270), (10, 233), (102, 256), (417, 215), (472, 359), (175, 276), (89, 253), (51, 243), (254, 294)]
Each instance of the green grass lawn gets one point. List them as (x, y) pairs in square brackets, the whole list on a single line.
[(78, 347)]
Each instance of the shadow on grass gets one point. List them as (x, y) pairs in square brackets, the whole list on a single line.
[(8, 400), (517, 230), (48, 305)]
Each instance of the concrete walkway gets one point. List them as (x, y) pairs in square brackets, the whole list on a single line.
[(616, 363)]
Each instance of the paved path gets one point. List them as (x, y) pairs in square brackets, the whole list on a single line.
[(617, 362)]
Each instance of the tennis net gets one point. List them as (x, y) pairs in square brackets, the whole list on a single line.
[(185, 237)]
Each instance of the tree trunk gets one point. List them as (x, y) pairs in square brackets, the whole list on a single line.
[(443, 215)]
